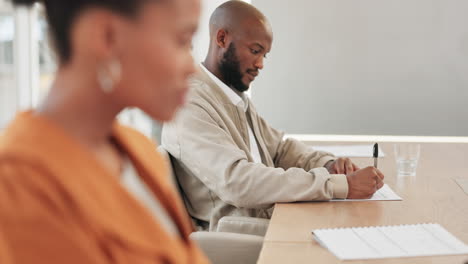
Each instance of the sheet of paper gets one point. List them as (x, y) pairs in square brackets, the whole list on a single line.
[(350, 151), (383, 194), (463, 184), (389, 241)]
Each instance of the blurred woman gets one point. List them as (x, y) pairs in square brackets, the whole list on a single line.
[(62, 199)]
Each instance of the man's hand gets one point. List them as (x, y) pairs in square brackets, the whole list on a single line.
[(363, 183), (341, 166)]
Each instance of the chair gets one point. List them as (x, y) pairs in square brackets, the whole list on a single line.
[(237, 240)]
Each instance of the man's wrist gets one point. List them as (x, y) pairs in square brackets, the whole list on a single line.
[(328, 164)]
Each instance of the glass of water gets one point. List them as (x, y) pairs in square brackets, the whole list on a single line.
[(407, 156)]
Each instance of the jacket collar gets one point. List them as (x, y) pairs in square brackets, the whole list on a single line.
[(38, 142), (215, 89), (238, 99)]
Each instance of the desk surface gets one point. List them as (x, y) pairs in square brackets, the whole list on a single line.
[(432, 196)]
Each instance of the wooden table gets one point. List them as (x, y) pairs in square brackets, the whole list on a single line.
[(432, 196)]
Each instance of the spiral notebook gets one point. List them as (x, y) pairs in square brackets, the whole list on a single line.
[(389, 241)]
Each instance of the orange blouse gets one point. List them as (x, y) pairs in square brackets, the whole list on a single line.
[(59, 205)]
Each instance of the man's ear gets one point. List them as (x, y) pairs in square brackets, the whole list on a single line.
[(221, 38)]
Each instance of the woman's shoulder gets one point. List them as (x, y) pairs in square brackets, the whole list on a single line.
[(23, 188)]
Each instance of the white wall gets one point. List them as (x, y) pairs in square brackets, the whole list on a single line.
[(389, 67), (5, 4)]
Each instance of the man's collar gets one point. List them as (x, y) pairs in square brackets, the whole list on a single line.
[(236, 99)]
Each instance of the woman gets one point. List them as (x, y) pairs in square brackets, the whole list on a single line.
[(61, 165)]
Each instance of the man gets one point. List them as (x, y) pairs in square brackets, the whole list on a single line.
[(228, 160)]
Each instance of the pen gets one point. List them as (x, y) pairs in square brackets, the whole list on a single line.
[(376, 154)]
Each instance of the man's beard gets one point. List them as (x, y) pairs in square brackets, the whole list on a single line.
[(229, 68)]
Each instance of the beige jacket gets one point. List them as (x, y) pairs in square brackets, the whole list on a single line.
[(209, 143)]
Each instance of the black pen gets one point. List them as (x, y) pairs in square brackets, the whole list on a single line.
[(376, 154)]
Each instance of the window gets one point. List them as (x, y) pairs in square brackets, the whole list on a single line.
[(7, 78), (47, 62), (27, 66)]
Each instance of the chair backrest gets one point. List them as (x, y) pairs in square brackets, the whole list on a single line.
[(167, 157)]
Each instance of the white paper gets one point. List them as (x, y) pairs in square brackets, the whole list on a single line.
[(463, 183), (389, 241), (350, 151), (383, 194)]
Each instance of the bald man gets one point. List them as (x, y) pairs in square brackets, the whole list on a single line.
[(227, 159)]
